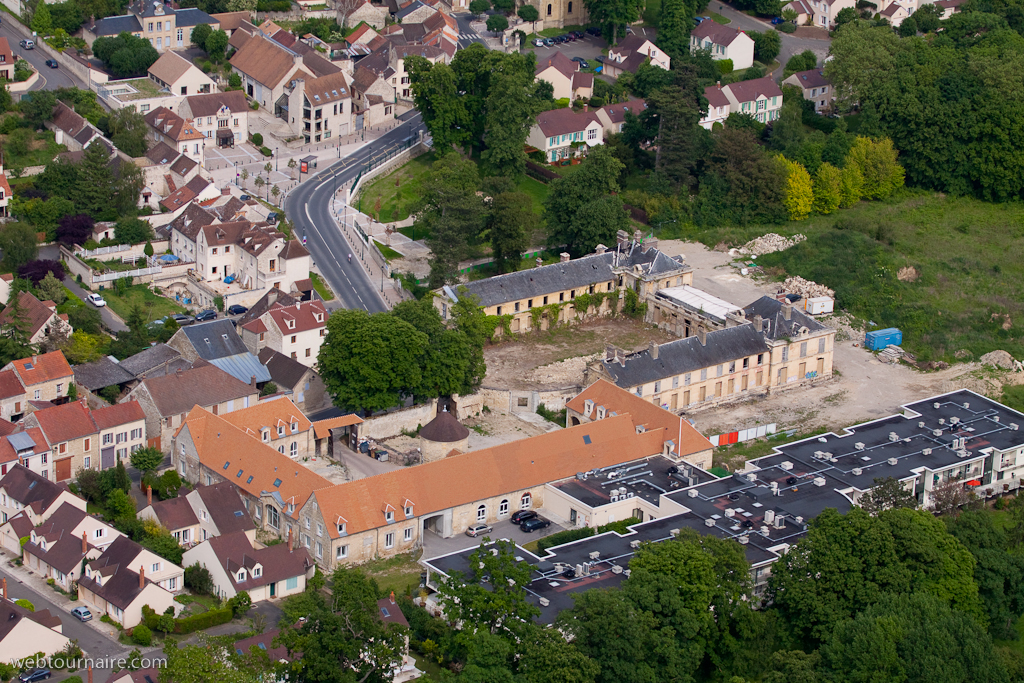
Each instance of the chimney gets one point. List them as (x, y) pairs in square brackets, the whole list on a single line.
[(85, 544), (272, 296), (149, 495), (609, 352), (564, 257), (252, 381), (653, 348), (585, 107), (787, 311), (651, 243), (142, 577), (392, 597), (289, 539), (600, 249), (638, 236), (758, 323), (702, 335), (719, 84)]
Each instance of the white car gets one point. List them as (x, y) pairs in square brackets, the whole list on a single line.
[(538, 43), (96, 300)]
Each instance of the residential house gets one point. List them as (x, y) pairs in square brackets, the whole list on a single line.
[(208, 450), (718, 106), (56, 548), (179, 133), (801, 347), (565, 77), (613, 116), (397, 56), (217, 343), (826, 11), (157, 360), (12, 397), (118, 583), (7, 60), (631, 52), (148, 675), (39, 318), (369, 14), (92, 378), (167, 399), (223, 117), (199, 189), (373, 98), (71, 129), (5, 200), (305, 387), (174, 514), (296, 331), (25, 633), (46, 377), (814, 87), (414, 12), (83, 439), (169, 170), (949, 7), (564, 133), (760, 98), (264, 643), (180, 76), (220, 510), (724, 43), (266, 67), (163, 26), (803, 9), (894, 12), (266, 573), (320, 108), (278, 423), (26, 447), (22, 490), (121, 431)]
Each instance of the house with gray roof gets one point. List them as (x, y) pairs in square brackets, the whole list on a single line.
[(105, 372), (218, 343), (165, 27)]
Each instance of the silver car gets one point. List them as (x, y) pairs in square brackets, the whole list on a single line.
[(478, 530)]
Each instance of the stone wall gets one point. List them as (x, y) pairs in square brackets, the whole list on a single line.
[(392, 423), (513, 400)]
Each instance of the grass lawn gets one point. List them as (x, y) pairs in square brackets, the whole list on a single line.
[(116, 265), (321, 287), (391, 196), (153, 306), (387, 251), (718, 18), (39, 148), (397, 573), (537, 190)]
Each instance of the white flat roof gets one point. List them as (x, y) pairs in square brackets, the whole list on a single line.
[(699, 300)]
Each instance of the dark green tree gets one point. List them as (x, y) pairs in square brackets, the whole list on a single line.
[(509, 117), (435, 91), (199, 35), (445, 358), (147, 459), (678, 110), (452, 212), (496, 23), (128, 131), (132, 231), (18, 241), (674, 27), (766, 45), (887, 494), (614, 14), (528, 13), (215, 44), (581, 210), (510, 223)]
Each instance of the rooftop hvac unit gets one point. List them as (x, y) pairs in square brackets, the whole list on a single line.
[(962, 453), (729, 512), (936, 405), (942, 420), (630, 495), (893, 461), (775, 486), (906, 440), (692, 493), (936, 432), (614, 499), (954, 420), (674, 532), (627, 572), (859, 445), (780, 521), (765, 530), (579, 570), (544, 602), (857, 471), (966, 405), (769, 516), (595, 555), (709, 522), (1013, 426), (743, 540), (822, 439), (799, 520), (819, 481), (751, 476), (634, 544), (894, 437), (787, 465), (926, 451), (995, 418), (921, 424), (616, 569)]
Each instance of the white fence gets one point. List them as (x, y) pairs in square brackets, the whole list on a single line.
[(118, 274), (102, 251)]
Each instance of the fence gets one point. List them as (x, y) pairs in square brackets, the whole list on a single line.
[(541, 173), (101, 251), (118, 274), (369, 255), (638, 215)]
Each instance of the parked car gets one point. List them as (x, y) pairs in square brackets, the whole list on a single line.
[(571, 36), (548, 42), (245, 197), (34, 675), (272, 217), (208, 314), (534, 523), (157, 324), (182, 319), (539, 42), (520, 516), (52, 63), (96, 300), (478, 529), (27, 44), (584, 64), (594, 31), (778, 20), (237, 309), (579, 34), (82, 613)]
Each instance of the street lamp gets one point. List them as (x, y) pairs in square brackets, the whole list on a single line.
[(277, 160)]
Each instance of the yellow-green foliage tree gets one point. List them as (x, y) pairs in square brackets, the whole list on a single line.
[(877, 162), (851, 185), (827, 188), (798, 190)]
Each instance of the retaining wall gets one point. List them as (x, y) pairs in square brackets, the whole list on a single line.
[(392, 424)]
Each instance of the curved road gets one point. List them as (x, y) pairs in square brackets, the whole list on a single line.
[(309, 208)]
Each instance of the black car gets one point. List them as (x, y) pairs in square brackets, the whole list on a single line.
[(534, 523), (34, 675), (520, 516), (272, 217), (208, 314), (245, 197), (594, 31), (579, 34), (237, 309), (52, 63), (584, 64)]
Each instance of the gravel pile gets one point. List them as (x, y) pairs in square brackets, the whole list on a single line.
[(563, 373), (767, 244), (806, 288), (1000, 359)]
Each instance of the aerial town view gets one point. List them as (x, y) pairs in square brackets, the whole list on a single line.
[(512, 341)]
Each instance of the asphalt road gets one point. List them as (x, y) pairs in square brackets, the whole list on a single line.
[(309, 208), (110, 321), (467, 35), (49, 79), (791, 45)]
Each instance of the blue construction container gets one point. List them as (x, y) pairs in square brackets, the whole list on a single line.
[(879, 339)]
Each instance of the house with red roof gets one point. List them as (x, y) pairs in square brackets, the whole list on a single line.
[(814, 86), (613, 116), (39, 319), (564, 133), (46, 377), (5, 187), (295, 330), (565, 77), (630, 53), (718, 106)]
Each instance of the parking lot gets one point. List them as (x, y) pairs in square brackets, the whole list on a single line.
[(434, 545), (589, 47)]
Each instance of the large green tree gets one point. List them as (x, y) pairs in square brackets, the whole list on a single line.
[(510, 223), (18, 242), (510, 113), (452, 213), (581, 209), (614, 14), (681, 140), (128, 130), (445, 359)]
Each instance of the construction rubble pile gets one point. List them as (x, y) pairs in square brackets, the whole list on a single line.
[(806, 288), (893, 354), (563, 373), (767, 244)]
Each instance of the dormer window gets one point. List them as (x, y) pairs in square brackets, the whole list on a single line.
[(280, 430), (408, 510), (290, 322), (389, 516), (319, 317), (241, 576), (257, 572), (341, 527), (295, 427), (266, 435)]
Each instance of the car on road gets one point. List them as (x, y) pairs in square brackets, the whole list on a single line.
[(237, 309), (52, 63), (534, 523), (34, 675), (27, 44), (539, 42), (778, 20), (208, 314), (81, 613), (96, 300), (520, 516), (182, 319), (477, 530), (584, 64)]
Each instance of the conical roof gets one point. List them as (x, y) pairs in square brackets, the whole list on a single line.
[(444, 429)]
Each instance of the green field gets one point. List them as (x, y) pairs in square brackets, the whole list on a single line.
[(153, 306), (718, 18), (387, 252), (963, 294)]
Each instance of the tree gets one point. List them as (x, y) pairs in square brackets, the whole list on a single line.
[(362, 365), (39, 108), (509, 117), (41, 20), (674, 28), (436, 94), (128, 131), (52, 289), (827, 188), (67, 16), (198, 579), (741, 183), (242, 6), (845, 16), (887, 494), (510, 223), (798, 191), (766, 45), (120, 505), (950, 496), (805, 61), (240, 604), (496, 23), (479, 6), (452, 212), (928, 18), (876, 160), (14, 335), (84, 319), (862, 55), (677, 110), (908, 27), (851, 186), (201, 664), (83, 347), (132, 230), (581, 210), (35, 271), (613, 14), (216, 43), (125, 55), (528, 13), (18, 244), (199, 35), (76, 229), (506, 7), (147, 459), (443, 362)]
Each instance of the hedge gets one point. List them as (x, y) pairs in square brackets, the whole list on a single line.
[(196, 622), (570, 535)]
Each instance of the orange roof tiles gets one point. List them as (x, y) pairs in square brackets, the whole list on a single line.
[(461, 479), (66, 422), (322, 428), (303, 316), (280, 411), (42, 368), (120, 414)]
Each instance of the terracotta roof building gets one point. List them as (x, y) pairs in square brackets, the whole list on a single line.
[(46, 377)]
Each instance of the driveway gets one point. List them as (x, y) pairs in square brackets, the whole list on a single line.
[(434, 545)]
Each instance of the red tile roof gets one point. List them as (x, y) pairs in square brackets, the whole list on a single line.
[(35, 313), (120, 414), (300, 317), (10, 386), (564, 121), (42, 368), (715, 32), (66, 422), (715, 96)]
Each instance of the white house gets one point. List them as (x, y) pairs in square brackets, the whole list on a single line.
[(180, 76), (565, 77), (557, 131), (296, 331), (760, 98), (724, 43), (613, 116), (718, 106), (274, 571), (629, 54)]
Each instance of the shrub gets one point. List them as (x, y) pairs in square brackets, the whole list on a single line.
[(266, 151), (142, 636), (198, 579), (786, 27), (561, 537), (257, 139), (240, 604), (724, 66), (26, 604), (196, 622)]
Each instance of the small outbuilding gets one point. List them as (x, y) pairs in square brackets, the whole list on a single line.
[(441, 436)]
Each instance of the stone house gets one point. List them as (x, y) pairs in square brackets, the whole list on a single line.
[(28, 448), (320, 109), (217, 343), (46, 376), (179, 133), (12, 396), (72, 436), (222, 117), (278, 423), (296, 331), (305, 387)]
